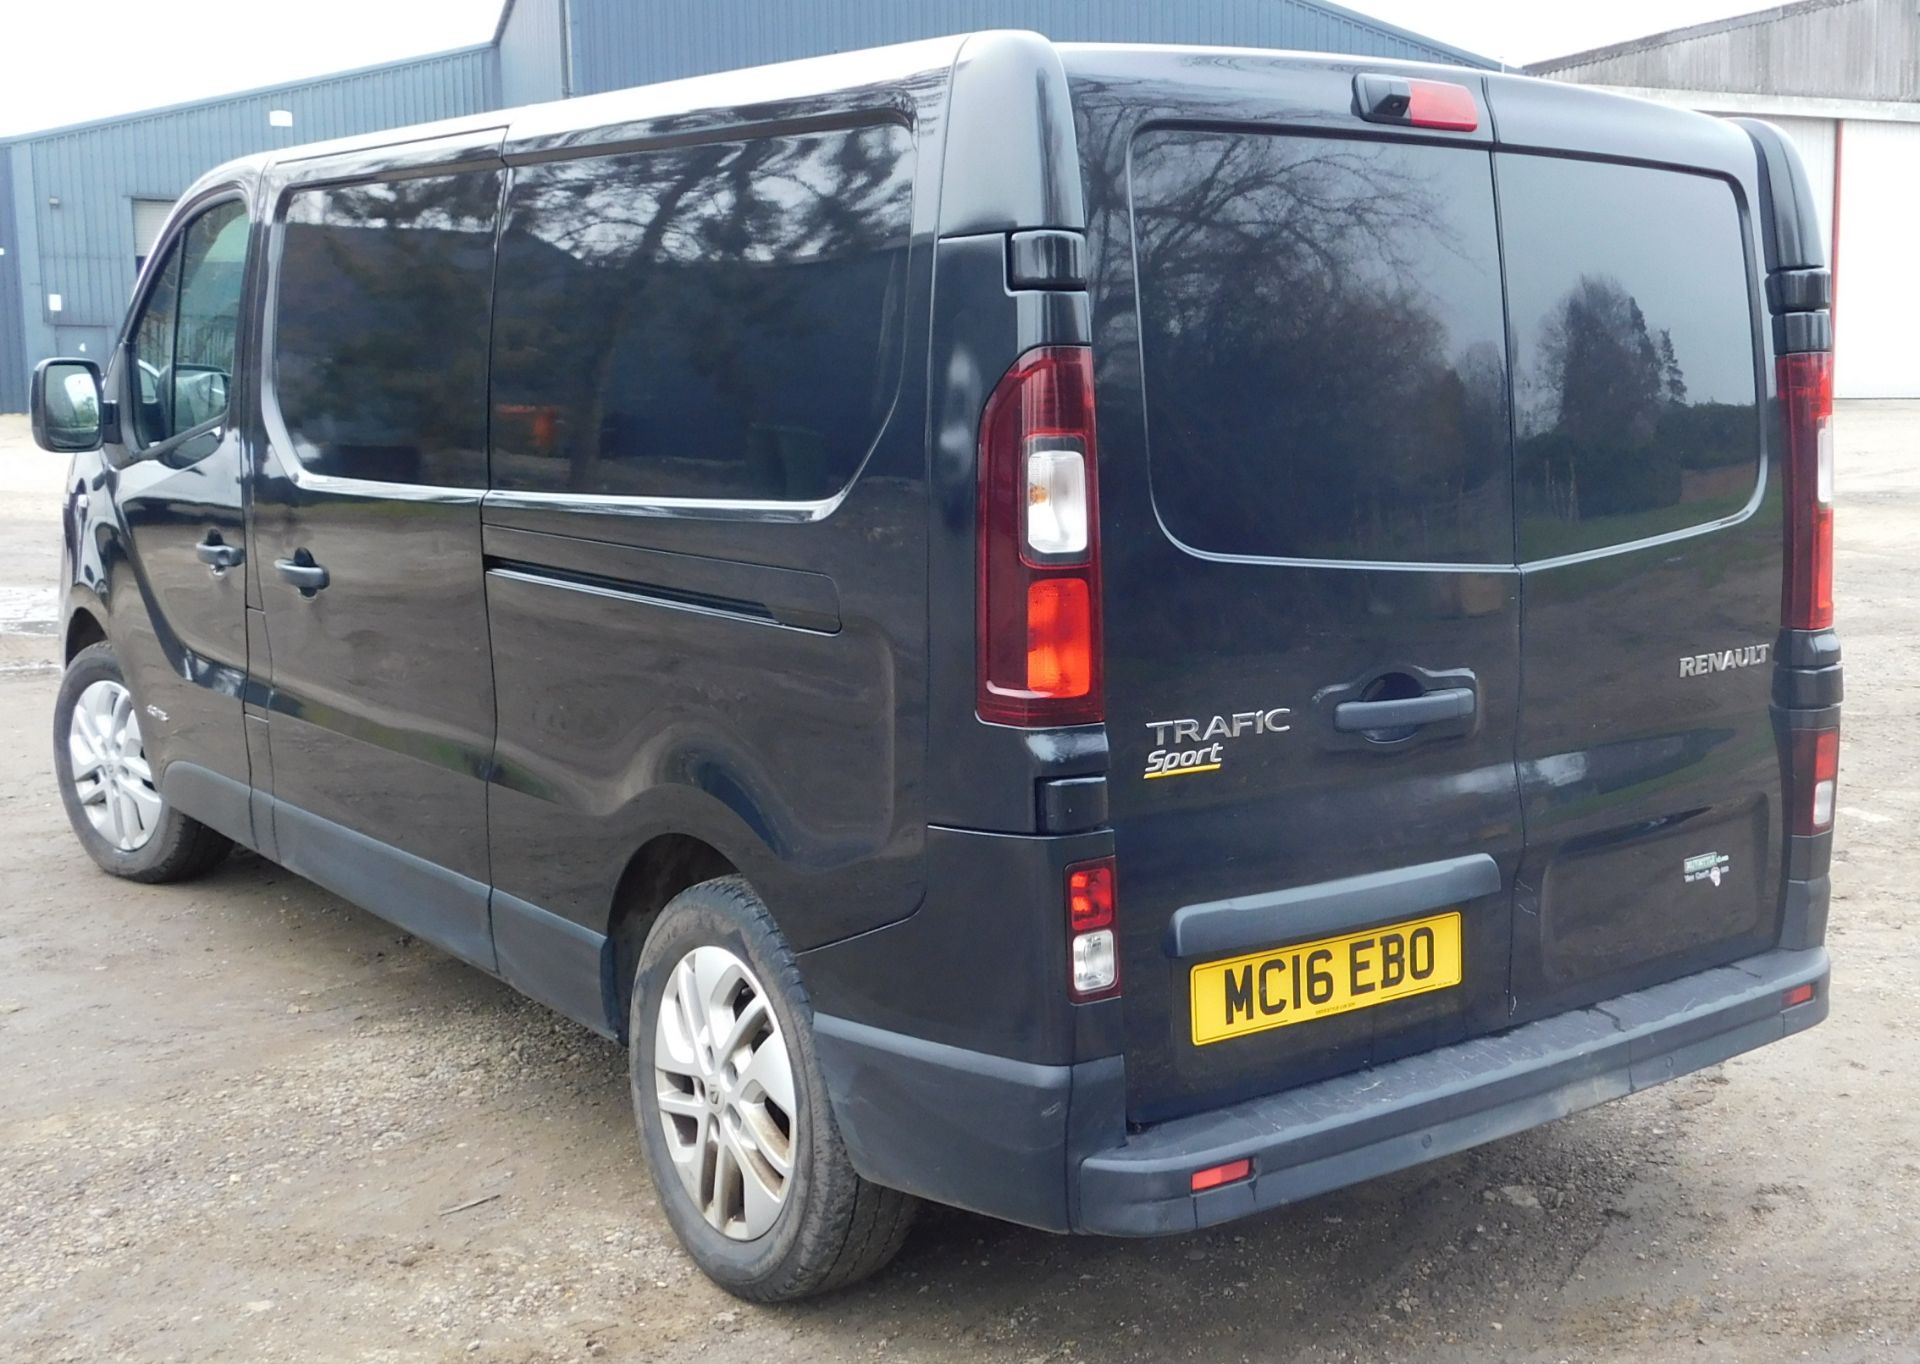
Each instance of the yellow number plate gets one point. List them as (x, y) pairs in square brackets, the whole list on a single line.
[(1311, 980)]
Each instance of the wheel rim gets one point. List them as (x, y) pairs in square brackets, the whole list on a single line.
[(723, 1086), (111, 777)]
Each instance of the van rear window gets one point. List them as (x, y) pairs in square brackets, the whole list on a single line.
[(1323, 345), (1634, 391), (721, 321)]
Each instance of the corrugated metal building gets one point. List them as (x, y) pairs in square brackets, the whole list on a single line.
[(78, 205), (1842, 78)]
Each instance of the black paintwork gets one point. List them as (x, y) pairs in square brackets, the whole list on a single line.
[(460, 614)]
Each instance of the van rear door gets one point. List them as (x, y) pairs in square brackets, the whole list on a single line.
[(1650, 544), (1312, 618)]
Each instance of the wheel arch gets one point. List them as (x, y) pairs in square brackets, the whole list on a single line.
[(84, 629), (659, 869)]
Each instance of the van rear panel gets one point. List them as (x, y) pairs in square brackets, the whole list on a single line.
[(1396, 415), (1649, 533)]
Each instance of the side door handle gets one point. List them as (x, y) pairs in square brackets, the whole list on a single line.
[(1450, 703), (219, 556), (302, 572)]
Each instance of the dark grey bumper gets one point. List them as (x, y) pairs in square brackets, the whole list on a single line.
[(1034, 1144), (1340, 1131)]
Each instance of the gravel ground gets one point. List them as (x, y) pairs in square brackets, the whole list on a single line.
[(242, 1120)]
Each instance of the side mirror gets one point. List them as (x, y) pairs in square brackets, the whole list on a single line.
[(67, 405)]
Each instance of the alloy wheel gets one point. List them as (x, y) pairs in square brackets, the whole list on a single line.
[(110, 773), (724, 1089)]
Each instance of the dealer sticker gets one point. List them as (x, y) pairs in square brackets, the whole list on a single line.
[(1709, 866)]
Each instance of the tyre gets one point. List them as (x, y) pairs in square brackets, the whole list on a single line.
[(733, 1113), (107, 784)]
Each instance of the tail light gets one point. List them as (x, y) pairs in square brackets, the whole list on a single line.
[(1806, 389), (1038, 628), (1816, 776), (1093, 952)]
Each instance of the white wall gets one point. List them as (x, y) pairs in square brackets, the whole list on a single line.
[(1877, 281)]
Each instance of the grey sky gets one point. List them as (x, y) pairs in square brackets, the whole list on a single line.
[(69, 63)]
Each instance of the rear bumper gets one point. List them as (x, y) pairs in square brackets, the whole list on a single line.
[(1044, 1145)]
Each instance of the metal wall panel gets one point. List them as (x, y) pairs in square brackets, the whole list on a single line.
[(13, 335), (84, 178), (617, 43), (1876, 287), (533, 52), (1845, 49)]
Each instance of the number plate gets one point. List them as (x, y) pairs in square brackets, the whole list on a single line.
[(1310, 980)]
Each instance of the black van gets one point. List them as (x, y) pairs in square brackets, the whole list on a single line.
[(1112, 636)]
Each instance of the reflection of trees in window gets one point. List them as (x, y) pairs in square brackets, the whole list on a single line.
[(715, 320), (1323, 346), (381, 361), (1605, 426)]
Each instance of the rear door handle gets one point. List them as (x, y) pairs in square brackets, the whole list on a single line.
[(1452, 703), (303, 573), (217, 556)]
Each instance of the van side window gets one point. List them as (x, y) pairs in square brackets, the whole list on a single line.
[(183, 341), (1323, 347), (380, 332), (1635, 404), (713, 321)]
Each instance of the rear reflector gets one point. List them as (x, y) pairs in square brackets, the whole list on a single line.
[(1799, 994), (1816, 776), (1037, 636), (1806, 394), (1215, 1175)]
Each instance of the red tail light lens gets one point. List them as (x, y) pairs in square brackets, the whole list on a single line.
[(1806, 390), (1816, 779), (1090, 895), (1038, 629), (1093, 950)]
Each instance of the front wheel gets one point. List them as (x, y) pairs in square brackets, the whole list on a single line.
[(733, 1113), (108, 786)]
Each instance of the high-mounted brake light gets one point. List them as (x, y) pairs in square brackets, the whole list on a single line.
[(1038, 611), (1806, 393), (1416, 103), (1093, 952)]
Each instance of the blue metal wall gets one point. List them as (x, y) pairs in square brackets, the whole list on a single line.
[(13, 355), (532, 39), (620, 42), (74, 187)]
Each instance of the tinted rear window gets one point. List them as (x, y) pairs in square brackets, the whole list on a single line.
[(715, 321), (1634, 397), (380, 338), (1324, 347)]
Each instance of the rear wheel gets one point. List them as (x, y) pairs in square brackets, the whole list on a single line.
[(107, 784), (733, 1112)]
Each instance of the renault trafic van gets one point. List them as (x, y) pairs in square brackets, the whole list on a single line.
[(1113, 636)]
